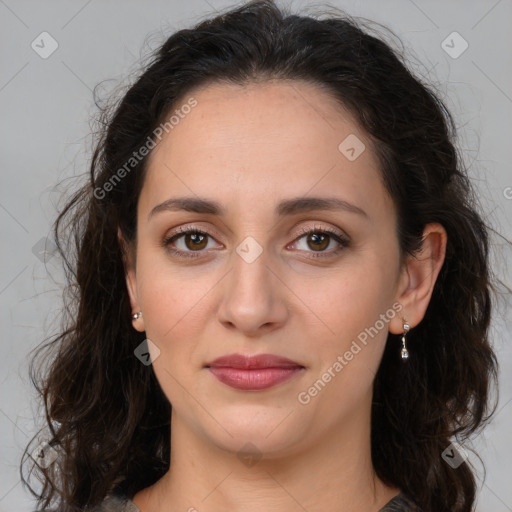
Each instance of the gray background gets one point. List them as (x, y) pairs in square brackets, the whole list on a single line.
[(46, 105)]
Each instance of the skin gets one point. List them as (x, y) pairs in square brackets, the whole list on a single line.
[(248, 148)]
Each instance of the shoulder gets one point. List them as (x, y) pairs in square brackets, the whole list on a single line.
[(400, 503), (117, 502)]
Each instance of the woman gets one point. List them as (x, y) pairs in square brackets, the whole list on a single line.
[(281, 285)]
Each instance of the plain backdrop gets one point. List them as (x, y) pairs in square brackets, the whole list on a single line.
[(46, 104)]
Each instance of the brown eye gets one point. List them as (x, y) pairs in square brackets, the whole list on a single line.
[(189, 242), (195, 241), (317, 241)]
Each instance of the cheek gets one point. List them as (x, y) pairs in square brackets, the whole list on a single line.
[(173, 300), (355, 311), (355, 307), (174, 318), (348, 299)]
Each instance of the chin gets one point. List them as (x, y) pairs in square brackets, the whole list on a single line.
[(260, 432)]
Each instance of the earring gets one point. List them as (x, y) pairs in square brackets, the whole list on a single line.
[(404, 352), (137, 315)]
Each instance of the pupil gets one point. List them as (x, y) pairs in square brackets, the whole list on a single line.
[(316, 237), (197, 238)]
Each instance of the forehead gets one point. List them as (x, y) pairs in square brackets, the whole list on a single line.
[(262, 140), (274, 111)]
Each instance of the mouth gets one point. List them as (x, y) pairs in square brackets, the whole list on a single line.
[(253, 373)]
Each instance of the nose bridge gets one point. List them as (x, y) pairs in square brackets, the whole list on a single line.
[(250, 279), (251, 296)]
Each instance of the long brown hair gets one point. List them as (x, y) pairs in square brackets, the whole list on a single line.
[(107, 416)]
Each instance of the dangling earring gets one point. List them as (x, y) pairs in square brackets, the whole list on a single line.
[(404, 352), (137, 315)]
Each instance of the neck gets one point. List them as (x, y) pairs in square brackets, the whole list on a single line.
[(335, 473)]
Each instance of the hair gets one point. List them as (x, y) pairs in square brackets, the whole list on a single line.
[(106, 414)]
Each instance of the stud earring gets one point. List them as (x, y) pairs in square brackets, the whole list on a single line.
[(137, 315), (404, 352)]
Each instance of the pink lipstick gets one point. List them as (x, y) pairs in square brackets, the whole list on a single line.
[(253, 373)]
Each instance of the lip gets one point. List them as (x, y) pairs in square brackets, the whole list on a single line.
[(253, 373), (253, 362)]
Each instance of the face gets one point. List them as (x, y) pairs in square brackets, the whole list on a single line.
[(264, 268)]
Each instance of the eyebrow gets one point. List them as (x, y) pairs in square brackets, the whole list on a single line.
[(284, 208)]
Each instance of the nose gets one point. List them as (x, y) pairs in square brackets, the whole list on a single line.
[(253, 299)]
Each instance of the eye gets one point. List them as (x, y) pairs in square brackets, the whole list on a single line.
[(317, 240), (188, 240)]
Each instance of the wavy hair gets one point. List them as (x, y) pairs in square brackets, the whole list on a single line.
[(106, 414)]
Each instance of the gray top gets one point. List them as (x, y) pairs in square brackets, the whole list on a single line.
[(121, 503)]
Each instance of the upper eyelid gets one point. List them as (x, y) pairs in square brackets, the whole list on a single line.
[(303, 230), (328, 229), (183, 230)]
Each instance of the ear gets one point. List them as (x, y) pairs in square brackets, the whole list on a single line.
[(418, 277), (131, 279)]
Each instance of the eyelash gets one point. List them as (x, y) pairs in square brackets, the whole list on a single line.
[(337, 237)]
